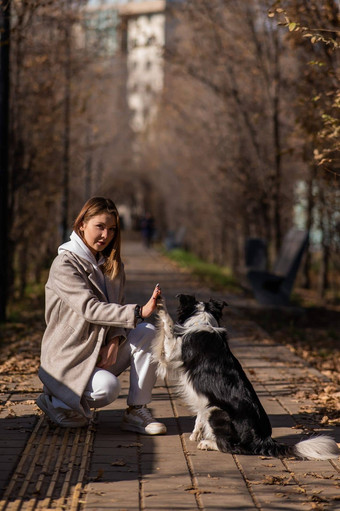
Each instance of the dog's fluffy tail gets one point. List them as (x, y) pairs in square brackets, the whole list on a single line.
[(318, 448)]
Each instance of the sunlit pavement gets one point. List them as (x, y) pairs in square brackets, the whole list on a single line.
[(104, 468)]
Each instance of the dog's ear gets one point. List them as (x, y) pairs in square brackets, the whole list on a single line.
[(185, 300), (187, 304), (219, 304)]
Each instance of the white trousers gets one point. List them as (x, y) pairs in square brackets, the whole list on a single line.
[(135, 352)]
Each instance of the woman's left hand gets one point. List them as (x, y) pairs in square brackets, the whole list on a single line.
[(108, 354), (151, 305)]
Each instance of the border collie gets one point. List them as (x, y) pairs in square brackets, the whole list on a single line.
[(230, 417)]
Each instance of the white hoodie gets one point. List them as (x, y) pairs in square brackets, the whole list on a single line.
[(78, 247)]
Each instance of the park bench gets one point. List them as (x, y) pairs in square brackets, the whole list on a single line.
[(255, 253), (275, 287)]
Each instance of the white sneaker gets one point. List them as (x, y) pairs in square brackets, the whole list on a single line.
[(140, 420), (60, 416)]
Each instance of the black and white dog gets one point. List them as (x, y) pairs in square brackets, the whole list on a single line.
[(230, 417)]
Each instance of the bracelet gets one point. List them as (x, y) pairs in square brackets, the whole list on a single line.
[(138, 314)]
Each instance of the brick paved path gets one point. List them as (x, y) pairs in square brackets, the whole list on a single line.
[(104, 468)]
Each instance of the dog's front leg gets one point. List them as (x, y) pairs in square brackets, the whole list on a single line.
[(165, 319), (165, 342), (207, 439), (197, 433), (167, 328)]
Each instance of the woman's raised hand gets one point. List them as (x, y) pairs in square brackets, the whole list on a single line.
[(151, 305)]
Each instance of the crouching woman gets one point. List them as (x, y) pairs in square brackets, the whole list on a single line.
[(91, 337)]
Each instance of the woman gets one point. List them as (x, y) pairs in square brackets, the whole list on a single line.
[(90, 336)]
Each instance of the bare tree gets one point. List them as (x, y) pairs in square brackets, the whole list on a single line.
[(222, 133), (4, 129), (313, 32), (64, 115)]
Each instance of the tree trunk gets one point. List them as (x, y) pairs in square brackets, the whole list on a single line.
[(325, 244), (4, 153), (307, 284), (324, 281), (67, 129), (277, 146), (88, 163), (23, 269)]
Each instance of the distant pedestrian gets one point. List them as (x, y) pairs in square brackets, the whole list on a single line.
[(91, 337), (148, 229)]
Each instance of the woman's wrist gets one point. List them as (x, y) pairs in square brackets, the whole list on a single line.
[(138, 313)]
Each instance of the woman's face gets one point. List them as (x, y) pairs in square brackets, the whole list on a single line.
[(99, 231)]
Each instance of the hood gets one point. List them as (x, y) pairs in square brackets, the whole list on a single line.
[(78, 247)]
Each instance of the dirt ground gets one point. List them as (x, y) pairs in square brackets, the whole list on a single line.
[(20, 343), (313, 333)]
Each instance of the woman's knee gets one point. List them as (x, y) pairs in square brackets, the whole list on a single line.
[(112, 388), (104, 388)]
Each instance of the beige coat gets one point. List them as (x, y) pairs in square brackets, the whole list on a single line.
[(79, 320)]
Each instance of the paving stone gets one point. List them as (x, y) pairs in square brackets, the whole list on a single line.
[(136, 472)]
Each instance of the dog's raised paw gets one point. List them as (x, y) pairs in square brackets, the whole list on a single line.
[(160, 304), (207, 445)]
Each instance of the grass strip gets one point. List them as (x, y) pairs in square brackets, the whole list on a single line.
[(217, 277)]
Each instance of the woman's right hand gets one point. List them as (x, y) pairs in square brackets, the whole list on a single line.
[(108, 354), (151, 305)]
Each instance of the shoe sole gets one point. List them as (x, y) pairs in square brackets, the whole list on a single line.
[(40, 402)]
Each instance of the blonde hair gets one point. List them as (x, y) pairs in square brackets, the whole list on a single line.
[(97, 206)]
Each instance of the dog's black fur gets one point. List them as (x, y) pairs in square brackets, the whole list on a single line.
[(239, 423), (230, 416)]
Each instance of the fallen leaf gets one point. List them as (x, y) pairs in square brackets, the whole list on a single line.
[(118, 463), (275, 480), (99, 475)]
